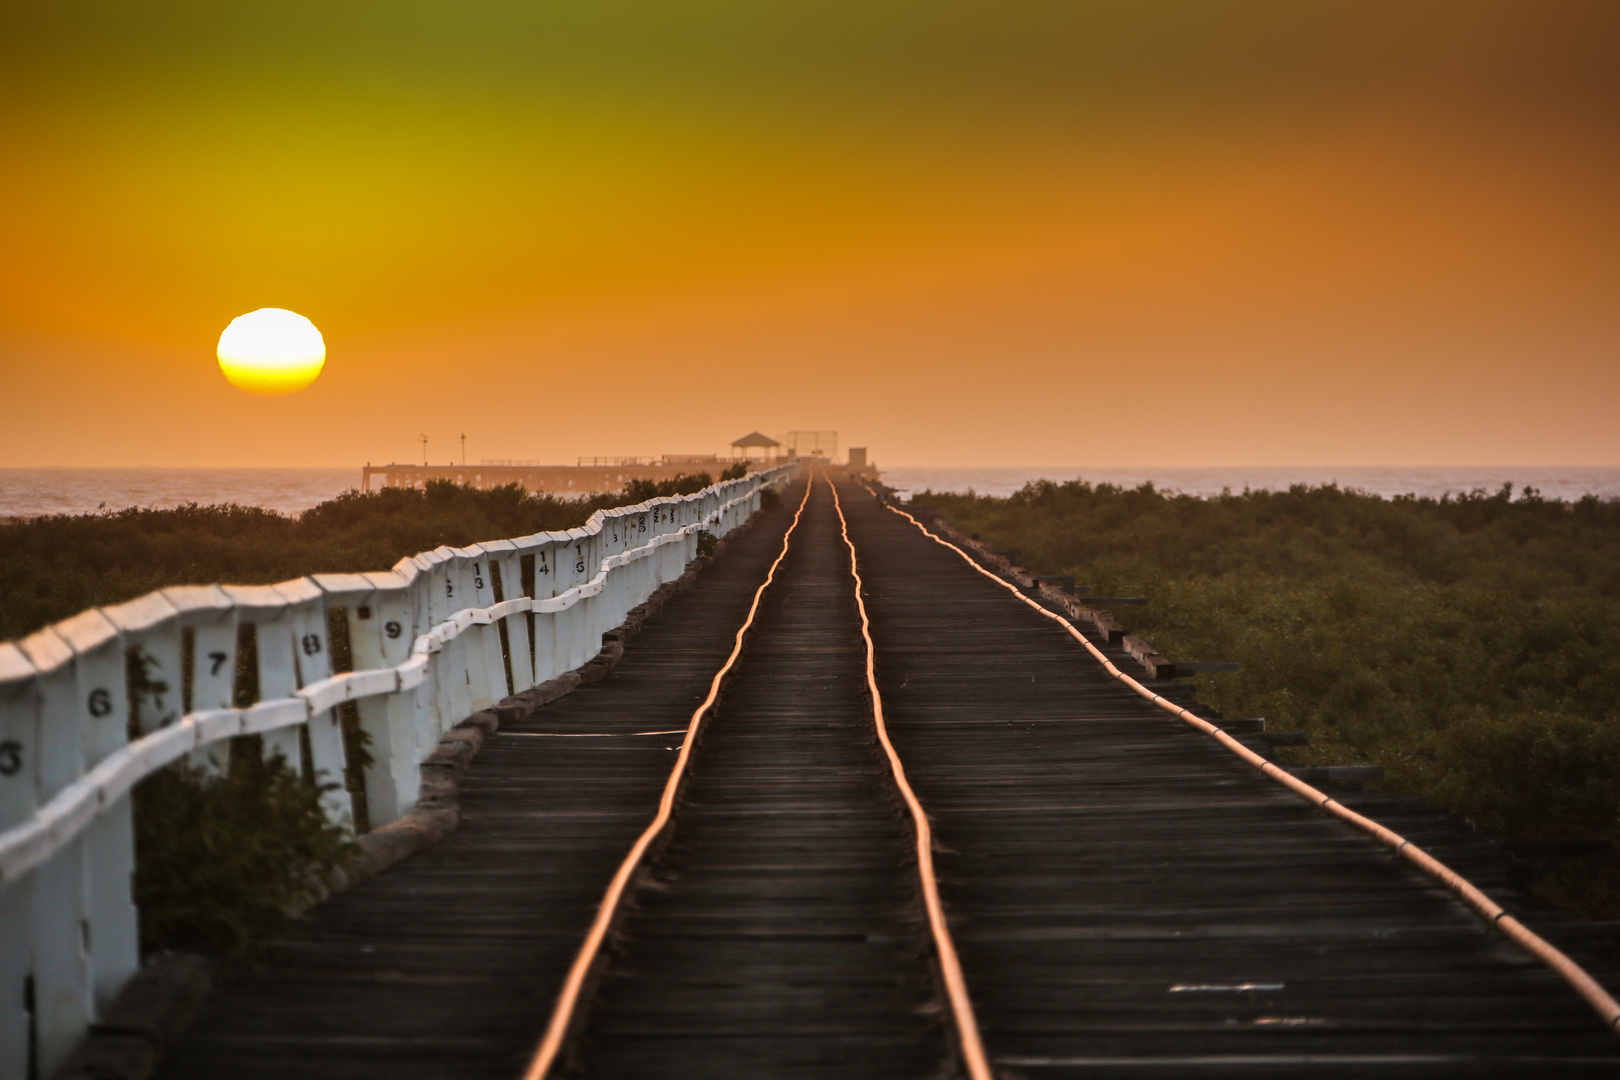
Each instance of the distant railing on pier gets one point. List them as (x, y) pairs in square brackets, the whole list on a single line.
[(91, 705), (666, 459)]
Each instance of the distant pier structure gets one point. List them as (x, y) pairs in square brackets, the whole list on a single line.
[(592, 476), (599, 475)]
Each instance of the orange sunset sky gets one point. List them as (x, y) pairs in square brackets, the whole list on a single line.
[(957, 232)]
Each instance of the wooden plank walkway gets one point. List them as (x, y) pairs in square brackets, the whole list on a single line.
[(781, 934), (1127, 898)]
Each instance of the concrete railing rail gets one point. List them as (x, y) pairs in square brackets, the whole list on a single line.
[(91, 705)]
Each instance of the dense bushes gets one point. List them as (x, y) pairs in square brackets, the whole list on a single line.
[(1471, 645), (220, 862), (53, 567), (640, 490)]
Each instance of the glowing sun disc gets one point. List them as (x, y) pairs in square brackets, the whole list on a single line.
[(271, 352)]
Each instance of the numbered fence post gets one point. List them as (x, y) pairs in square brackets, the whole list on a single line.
[(644, 537), (110, 933), (437, 687), (19, 753), (380, 637), (57, 915), (669, 555), (425, 696), (450, 665), (150, 629), (312, 662), (591, 639), (633, 574), (610, 543), (265, 609), (508, 556), (487, 667), (547, 573), (569, 634), (570, 572), (211, 617), (470, 641)]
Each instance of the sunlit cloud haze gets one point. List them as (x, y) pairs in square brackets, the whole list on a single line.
[(960, 233)]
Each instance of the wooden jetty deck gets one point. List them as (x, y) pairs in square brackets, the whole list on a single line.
[(1127, 898)]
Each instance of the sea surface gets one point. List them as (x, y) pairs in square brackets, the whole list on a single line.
[(32, 492)]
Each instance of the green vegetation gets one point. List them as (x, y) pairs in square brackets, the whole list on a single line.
[(54, 567), (1470, 645), (639, 490), (221, 861)]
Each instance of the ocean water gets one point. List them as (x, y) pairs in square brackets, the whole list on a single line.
[(31, 492)]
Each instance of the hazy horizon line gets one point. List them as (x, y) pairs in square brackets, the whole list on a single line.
[(902, 465)]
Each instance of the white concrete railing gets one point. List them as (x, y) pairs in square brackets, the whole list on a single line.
[(426, 652)]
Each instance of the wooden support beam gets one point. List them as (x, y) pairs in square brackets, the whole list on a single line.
[(1110, 629)]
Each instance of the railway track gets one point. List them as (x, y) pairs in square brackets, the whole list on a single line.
[(1095, 889), (776, 932)]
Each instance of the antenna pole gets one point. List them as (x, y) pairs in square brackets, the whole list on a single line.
[(423, 440), (464, 449)]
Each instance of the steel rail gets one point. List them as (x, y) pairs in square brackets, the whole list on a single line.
[(1487, 909), (562, 1014), (967, 1024)]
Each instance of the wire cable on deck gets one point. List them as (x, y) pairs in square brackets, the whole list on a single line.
[(967, 1025), (562, 1014), (1544, 951)]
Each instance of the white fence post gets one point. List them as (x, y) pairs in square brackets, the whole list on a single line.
[(211, 617), (312, 662), (61, 965), (505, 555), (448, 663), (425, 707), (382, 638), (488, 667), (19, 760), (548, 575), (110, 932), (265, 609), (575, 562)]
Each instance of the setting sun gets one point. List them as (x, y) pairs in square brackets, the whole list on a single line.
[(271, 352)]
